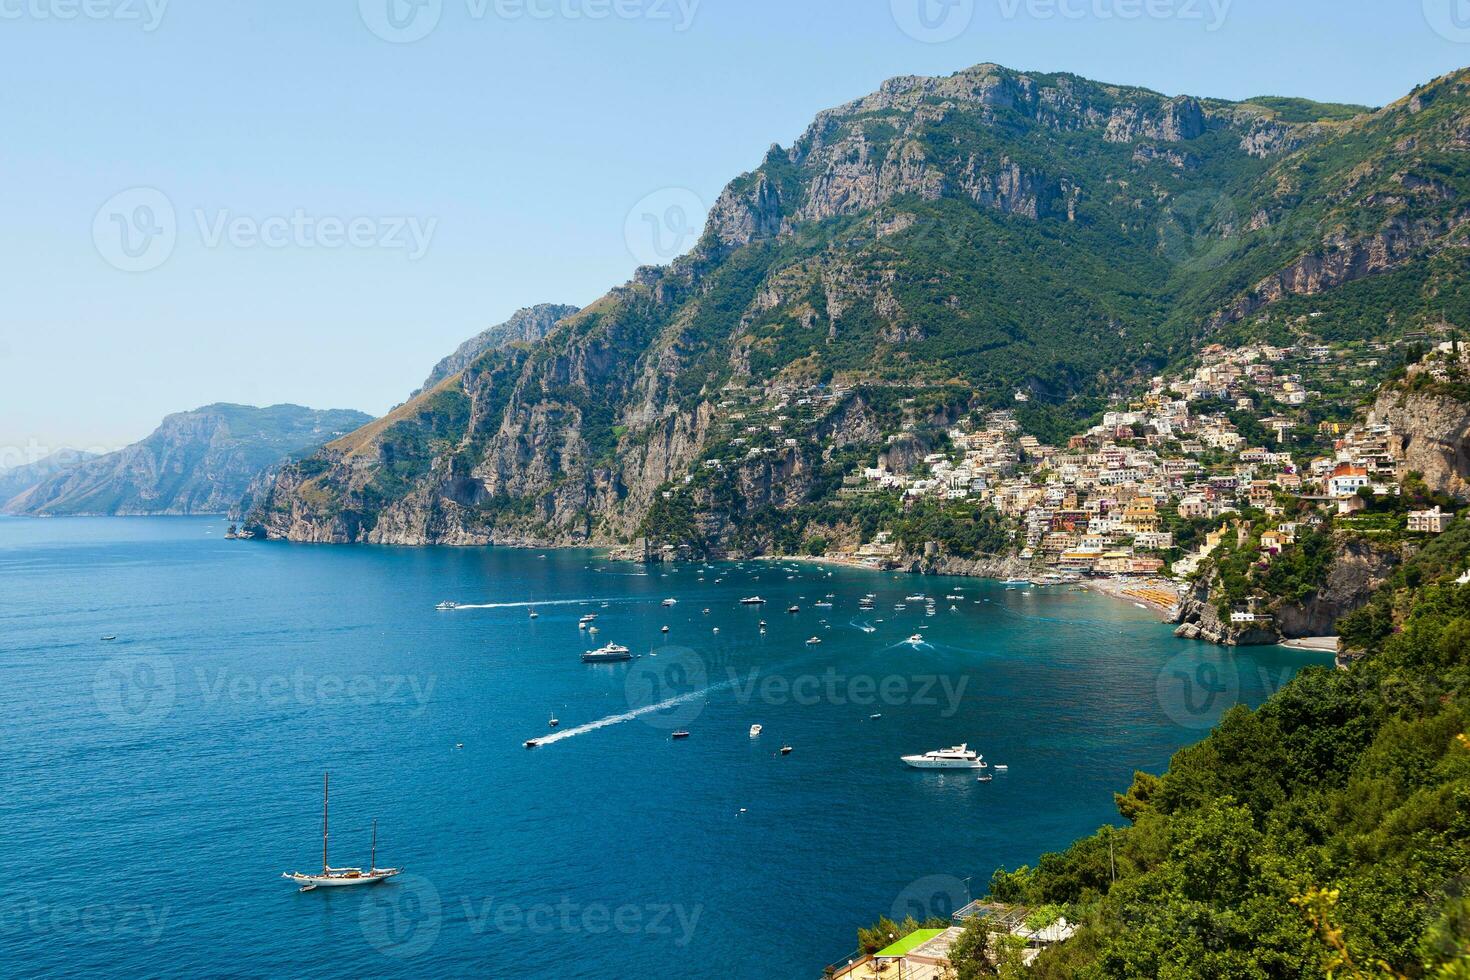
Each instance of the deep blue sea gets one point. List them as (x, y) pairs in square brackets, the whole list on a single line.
[(153, 788)]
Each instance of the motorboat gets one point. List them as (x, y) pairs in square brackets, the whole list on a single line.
[(664, 630), (754, 600), (814, 641), (1001, 767), (794, 609), (553, 723), (681, 734), (755, 731), (916, 639), (984, 777), (447, 606), (331, 877), (670, 602), (956, 757), (531, 743), (612, 653), (785, 750)]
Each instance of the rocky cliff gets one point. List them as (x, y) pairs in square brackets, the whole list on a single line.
[(1358, 569), (17, 480), (1433, 428), (197, 462), (993, 230)]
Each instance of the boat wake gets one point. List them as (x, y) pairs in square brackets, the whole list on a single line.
[(626, 716), (546, 602)]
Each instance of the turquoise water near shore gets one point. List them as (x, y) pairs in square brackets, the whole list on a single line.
[(156, 786)]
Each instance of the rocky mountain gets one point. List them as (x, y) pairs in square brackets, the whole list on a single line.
[(1435, 423), (196, 462), (992, 238), (526, 325), (18, 479)]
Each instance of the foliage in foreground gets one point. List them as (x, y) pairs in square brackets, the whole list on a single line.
[(1325, 834)]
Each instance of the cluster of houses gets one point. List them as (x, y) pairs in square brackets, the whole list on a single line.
[(1104, 503)]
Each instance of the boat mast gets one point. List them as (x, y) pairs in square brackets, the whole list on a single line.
[(373, 861), (326, 782)]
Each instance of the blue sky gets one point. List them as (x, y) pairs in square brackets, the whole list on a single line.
[(332, 211)]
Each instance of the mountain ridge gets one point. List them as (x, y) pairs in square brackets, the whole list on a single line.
[(994, 230)]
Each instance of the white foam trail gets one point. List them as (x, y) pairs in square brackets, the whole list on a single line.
[(611, 720), (547, 602)]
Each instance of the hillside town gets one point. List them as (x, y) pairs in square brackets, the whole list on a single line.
[(1173, 467)]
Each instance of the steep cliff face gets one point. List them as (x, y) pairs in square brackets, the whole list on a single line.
[(1359, 568), (198, 462), (1434, 436), (993, 229)]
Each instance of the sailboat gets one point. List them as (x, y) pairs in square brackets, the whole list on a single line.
[(331, 877)]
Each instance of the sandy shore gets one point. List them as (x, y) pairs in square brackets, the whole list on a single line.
[(1155, 594)]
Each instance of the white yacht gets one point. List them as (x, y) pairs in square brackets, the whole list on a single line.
[(755, 731), (916, 639), (957, 757), (447, 606), (814, 641), (612, 653), (754, 600), (670, 602)]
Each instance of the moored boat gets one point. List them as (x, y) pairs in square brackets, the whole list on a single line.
[(956, 757), (331, 877)]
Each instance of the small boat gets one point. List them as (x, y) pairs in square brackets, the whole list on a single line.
[(670, 602), (612, 653), (1001, 768), (794, 609), (531, 743), (957, 757), (681, 734), (984, 777), (916, 598), (447, 606), (823, 605), (916, 639), (109, 638), (1016, 583), (875, 717), (593, 630), (814, 641), (755, 731), (553, 723), (754, 600), (717, 629), (706, 611), (588, 618), (535, 614), (331, 877), (785, 750), (664, 630)]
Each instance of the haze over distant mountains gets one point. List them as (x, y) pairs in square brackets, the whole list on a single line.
[(197, 462)]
